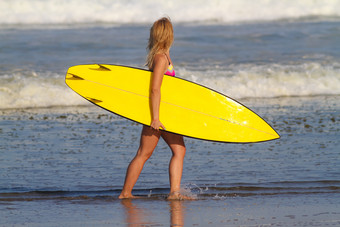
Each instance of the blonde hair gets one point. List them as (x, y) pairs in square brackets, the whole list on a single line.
[(161, 38)]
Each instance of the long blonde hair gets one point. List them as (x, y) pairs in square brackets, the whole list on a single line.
[(161, 38)]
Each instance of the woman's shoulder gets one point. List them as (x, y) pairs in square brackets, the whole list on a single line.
[(160, 59)]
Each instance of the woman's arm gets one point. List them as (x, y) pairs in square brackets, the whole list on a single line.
[(160, 66)]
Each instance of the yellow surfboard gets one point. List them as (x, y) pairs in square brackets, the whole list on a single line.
[(186, 108)]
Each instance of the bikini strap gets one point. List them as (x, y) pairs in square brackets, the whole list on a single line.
[(167, 58)]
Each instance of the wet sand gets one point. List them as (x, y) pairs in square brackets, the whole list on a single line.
[(283, 210)]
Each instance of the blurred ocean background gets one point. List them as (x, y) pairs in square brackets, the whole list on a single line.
[(63, 160), (241, 48)]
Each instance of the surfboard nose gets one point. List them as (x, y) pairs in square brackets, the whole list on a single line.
[(274, 135)]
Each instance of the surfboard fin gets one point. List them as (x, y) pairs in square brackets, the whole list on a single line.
[(101, 68), (93, 100), (70, 76)]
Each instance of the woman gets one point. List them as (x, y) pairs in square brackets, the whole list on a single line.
[(158, 61)]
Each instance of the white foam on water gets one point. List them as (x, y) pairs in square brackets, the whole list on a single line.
[(146, 11), (38, 89), (273, 80)]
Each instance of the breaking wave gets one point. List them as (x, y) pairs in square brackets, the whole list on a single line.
[(46, 89), (146, 11)]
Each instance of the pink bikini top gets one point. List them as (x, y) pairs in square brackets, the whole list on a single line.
[(170, 70)]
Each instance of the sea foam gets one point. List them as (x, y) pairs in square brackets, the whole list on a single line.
[(146, 11), (32, 90), (45, 89), (271, 80)]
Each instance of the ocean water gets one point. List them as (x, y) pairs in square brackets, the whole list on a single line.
[(63, 160)]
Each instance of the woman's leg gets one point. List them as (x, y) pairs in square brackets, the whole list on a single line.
[(176, 143), (148, 142)]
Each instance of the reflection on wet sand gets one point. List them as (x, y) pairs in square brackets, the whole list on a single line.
[(137, 216), (176, 213), (134, 215)]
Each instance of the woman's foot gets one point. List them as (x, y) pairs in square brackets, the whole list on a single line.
[(127, 196), (179, 196)]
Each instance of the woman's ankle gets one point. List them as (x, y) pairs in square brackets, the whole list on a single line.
[(125, 195)]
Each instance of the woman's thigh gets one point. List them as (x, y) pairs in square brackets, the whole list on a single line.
[(149, 139), (175, 141)]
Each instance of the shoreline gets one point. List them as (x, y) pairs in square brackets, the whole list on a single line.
[(289, 210)]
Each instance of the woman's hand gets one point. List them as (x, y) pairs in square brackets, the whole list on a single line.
[(156, 124)]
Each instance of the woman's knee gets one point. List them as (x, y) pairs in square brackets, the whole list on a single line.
[(179, 151), (144, 154)]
